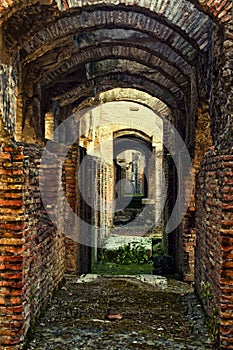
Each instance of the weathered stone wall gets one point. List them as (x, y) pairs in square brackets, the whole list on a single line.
[(180, 242), (85, 211), (214, 220), (32, 248)]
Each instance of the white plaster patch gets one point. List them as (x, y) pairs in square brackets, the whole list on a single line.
[(114, 243)]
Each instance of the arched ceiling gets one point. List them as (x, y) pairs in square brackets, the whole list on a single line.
[(125, 94), (69, 49), (112, 80), (86, 21), (108, 94), (219, 10)]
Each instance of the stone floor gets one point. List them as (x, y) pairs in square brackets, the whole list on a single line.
[(155, 316)]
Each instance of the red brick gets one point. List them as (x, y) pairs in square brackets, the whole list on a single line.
[(11, 284), (17, 157), (14, 276), (10, 340), (18, 267), (5, 156)]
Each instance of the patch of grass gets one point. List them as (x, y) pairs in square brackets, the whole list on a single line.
[(131, 253), (108, 268), (158, 249)]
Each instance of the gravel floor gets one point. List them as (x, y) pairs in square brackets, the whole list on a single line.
[(153, 318)]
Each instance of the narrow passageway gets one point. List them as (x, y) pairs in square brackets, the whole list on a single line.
[(116, 160), (122, 175), (166, 315)]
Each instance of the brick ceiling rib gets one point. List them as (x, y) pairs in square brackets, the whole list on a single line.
[(95, 62), (101, 68), (174, 79), (219, 10), (119, 80), (135, 38), (181, 14), (155, 42), (112, 59), (155, 33), (49, 74), (40, 42)]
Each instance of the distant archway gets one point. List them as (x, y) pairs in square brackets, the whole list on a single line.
[(132, 151)]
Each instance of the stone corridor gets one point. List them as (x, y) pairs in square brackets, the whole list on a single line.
[(158, 314), (106, 105)]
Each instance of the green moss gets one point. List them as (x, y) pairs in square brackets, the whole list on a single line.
[(122, 269)]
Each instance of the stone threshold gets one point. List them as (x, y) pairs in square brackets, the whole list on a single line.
[(154, 280)]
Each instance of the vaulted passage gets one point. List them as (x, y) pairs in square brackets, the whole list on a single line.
[(106, 105)]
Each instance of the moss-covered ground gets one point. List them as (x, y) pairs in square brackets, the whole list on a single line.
[(152, 318), (108, 268)]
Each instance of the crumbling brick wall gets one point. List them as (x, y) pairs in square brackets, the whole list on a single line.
[(214, 220), (32, 248)]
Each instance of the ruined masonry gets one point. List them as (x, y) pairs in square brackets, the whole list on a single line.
[(62, 64)]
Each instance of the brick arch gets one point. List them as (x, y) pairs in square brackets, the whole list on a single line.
[(125, 94), (137, 96), (158, 72), (136, 37), (113, 80), (117, 18), (88, 95), (159, 108), (182, 17), (50, 74), (219, 11), (168, 104), (47, 75), (162, 114), (125, 65), (89, 89), (131, 139), (134, 132), (132, 54), (165, 87), (112, 94), (91, 97), (157, 47)]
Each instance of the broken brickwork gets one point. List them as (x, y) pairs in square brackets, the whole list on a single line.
[(214, 203), (32, 248)]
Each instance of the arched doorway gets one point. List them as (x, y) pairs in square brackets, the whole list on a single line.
[(132, 151)]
